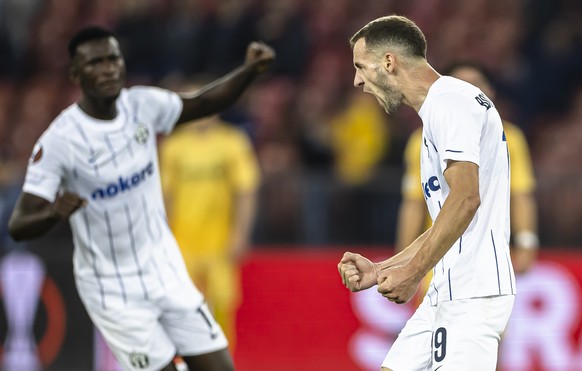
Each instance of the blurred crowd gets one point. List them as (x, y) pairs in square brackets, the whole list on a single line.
[(331, 158)]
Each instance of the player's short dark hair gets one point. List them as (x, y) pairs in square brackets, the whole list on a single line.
[(393, 30), (448, 70), (87, 34)]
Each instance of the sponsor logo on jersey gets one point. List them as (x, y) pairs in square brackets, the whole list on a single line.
[(123, 184), (432, 185), (36, 154), (141, 134)]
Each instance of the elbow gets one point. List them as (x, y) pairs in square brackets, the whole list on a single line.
[(15, 231), (472, 203)]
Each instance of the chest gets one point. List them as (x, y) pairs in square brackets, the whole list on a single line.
[(202, 161), (113, 162)]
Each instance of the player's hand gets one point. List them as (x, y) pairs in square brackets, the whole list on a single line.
[(67, 203), (397, 284), (523, 259), (357, 272), (259, 55)]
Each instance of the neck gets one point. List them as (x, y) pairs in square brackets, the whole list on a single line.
[(419, 80), (102, 109)]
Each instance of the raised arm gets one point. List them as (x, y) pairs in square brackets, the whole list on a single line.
[(33, 216), (222, 93)]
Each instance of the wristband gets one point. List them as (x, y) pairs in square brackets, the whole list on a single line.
[(526, 240)]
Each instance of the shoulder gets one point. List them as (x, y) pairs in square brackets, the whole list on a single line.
[(144, 92), (177, 141), (449, 91), (232, 130), (61, 127), (512, 131), (415, 139)]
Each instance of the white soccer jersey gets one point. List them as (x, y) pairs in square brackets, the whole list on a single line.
[(460, 123), (124, 248)]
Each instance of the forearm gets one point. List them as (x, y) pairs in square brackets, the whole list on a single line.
[(524, 220), (218, 95), (404, 256), (244, 216), (411, 220), (24, 226), (452, 221)]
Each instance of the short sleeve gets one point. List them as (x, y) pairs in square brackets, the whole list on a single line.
[(411, 187), (456, 126), (46, 167), (163, 106)]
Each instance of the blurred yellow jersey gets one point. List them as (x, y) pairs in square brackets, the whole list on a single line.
[(359, 137), (522, 179), (201, 172)]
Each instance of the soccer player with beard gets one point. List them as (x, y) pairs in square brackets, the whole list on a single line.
[(465, 180)]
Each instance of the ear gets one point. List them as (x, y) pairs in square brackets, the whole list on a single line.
[(74, 75), (389, 62)]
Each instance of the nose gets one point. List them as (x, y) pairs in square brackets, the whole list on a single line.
[(358, 81), (109, 67)]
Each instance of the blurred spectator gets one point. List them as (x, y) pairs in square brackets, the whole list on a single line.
[(533, 46), (283, 27)]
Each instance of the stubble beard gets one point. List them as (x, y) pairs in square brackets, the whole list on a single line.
[(391, 99)]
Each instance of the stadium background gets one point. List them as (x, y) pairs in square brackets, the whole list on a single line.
[(331, 175)]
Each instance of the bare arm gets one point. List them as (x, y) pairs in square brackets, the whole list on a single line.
[(458, 210), (411, 219), (222, 93), (404, 256), (244, 216), (400, 283), (33, 216), (359, 273), (524, 231)]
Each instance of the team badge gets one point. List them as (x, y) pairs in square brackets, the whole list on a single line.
[(36, 154), (141, 134), (139, 360)]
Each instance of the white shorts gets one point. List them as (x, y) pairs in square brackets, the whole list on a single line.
[(456, 335), (146, 334)]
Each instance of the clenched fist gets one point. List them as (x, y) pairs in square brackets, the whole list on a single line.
[(260, 55), (357, 272)]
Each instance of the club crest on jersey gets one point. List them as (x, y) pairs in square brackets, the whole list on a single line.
[(36, 154), (141, 134), (139, 360)]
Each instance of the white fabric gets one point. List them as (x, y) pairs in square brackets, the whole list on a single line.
[(460, 123), (454, 335), (125, 258)]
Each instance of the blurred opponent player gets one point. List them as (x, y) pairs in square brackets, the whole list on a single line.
[(465, 177), (210, 177), (96, 165)]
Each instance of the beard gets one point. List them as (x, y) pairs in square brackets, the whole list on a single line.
[(391, 99)]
